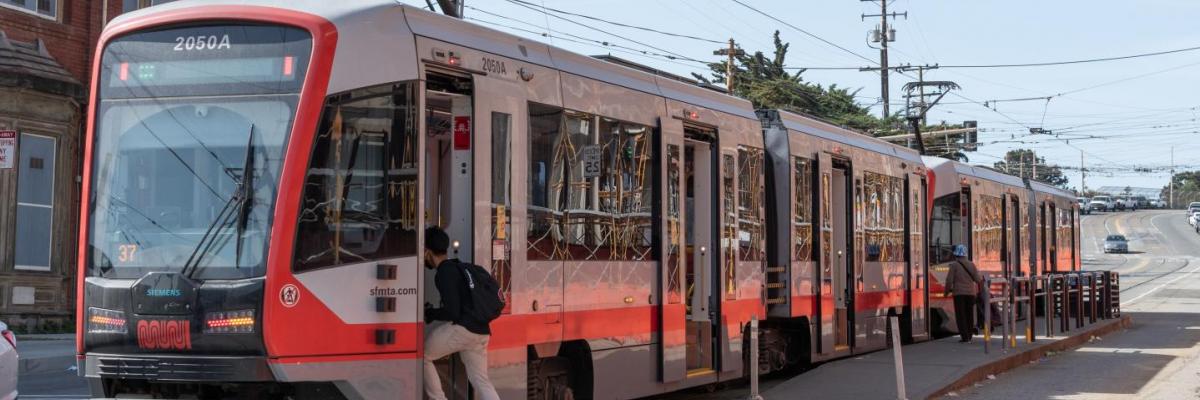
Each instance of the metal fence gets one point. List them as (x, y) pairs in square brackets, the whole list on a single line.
[(1070, 299)]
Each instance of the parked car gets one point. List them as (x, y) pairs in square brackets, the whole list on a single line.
[(1141, 202), (8, 364), (1193, 206), (1083, 205), (1102, 203), (1116, 244), (1158, 203), (1194, 217)]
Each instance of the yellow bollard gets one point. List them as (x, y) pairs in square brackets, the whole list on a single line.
[(1029, 330)]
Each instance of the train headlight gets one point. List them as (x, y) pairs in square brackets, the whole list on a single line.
[(105, 321), (241, 321)]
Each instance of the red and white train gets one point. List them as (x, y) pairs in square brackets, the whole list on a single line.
[(259, 173)]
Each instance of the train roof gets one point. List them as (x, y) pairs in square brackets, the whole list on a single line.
[(941, 165), (349, 17), (1051, 190), (824, 130)]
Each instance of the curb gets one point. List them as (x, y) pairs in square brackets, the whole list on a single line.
[(1018, 359)]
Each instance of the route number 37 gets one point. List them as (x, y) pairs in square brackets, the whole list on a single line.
[(201, 42), (126, 252)]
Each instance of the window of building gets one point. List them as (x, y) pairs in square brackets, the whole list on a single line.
[(885, 218), (802, 216), (35, 202), (134, 5), (42, 8), (945, 228), (360, 194)]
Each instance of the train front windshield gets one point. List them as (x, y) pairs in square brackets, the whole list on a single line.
[(190, 134)]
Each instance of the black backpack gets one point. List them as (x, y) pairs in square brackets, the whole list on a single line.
[(486, 301)]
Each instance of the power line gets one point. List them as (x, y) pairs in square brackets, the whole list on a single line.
[(671, 54), (1034, 64), (810, 34), (586, 41), (680, 35)]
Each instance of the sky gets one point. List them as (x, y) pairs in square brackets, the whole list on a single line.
[(1117, 117)]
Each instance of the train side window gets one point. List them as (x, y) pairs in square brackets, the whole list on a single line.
[(945, 228), (624, 191), (988, 230), (547, 166), (750, 208), (502, 203), (729, 225), (359, 199), (802, 218), (885, 218)]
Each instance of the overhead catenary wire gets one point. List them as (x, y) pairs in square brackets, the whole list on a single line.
[(621, 24), (1031, 64), (672, 54)]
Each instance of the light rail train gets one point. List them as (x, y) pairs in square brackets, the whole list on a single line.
[(258, 175)]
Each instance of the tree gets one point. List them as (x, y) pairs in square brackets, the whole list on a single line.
[(1187, 187), (767, 84), (1023, 163)]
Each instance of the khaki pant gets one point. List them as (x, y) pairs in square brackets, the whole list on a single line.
[(448, 339)]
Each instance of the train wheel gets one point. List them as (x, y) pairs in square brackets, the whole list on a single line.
[(550, 379)]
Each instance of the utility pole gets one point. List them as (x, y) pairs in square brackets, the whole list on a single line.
[(1082, 175), (733, 52), (1171, 182), (882, 35)]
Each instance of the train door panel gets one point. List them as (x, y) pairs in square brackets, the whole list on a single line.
[(1053, 237), (917, 288), (674, 303), (826, 310), (843, 257), (497, 144), (1014, 238), (701, 270)]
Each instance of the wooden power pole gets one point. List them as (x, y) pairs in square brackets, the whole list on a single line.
[(732, 52)]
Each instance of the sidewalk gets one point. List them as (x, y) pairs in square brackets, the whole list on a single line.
[(932, 368)]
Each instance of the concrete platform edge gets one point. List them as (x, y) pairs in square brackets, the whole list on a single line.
[(1016, 360)]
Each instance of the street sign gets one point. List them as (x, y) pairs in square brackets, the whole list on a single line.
[(8, 149), (590, 157)]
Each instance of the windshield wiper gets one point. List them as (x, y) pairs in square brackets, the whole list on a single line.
[(247, 198), (241, 198)]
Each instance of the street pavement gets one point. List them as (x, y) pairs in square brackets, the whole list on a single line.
[(47, 369), (1157, 358)]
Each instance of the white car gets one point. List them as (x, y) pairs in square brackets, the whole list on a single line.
[(1102, 203), (1192, 216), (8, 364)]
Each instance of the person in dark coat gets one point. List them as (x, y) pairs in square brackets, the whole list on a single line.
[(963, 282)]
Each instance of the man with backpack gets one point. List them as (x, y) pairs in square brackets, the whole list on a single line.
[(467, 308), (963, 282)]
